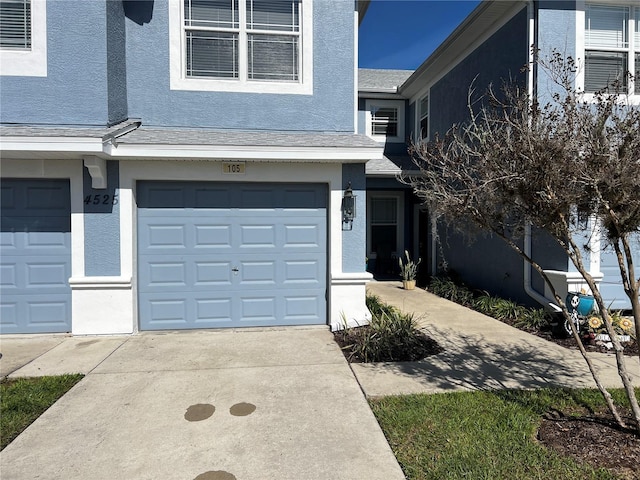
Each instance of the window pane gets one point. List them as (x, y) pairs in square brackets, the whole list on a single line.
[(602, 69), (273, 57), (387, 114), (424, 106), (384, 211), (637, 29), (637, 75), (606, 26), (211, 13), (388, 129), (15, 24), (212, 54), (424, 127), (281, 15)]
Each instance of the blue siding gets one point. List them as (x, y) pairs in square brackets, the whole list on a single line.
[(102, 225), (75, 88), (330, 108), (501, 57), (354, 241), (611, 286), (496, 268)]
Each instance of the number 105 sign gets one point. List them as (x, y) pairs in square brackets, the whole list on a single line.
[(233, 168)]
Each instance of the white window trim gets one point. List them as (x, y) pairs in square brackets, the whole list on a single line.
[(423, 136), (633, 98), (179, 81), (33, 62), (399, 196), (399, 105)]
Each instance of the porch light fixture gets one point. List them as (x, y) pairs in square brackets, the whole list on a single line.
[(348, 208)]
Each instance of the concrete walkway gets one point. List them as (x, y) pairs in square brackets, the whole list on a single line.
[(259, 403), (212, 405), (480, 353)]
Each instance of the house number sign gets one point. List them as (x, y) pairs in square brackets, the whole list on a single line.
[(233, 168)]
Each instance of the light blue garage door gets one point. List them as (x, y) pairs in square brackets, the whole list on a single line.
[(35, 256), (226, 255)]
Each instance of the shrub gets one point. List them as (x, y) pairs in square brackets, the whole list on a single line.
[(498, 308), (391, 336)]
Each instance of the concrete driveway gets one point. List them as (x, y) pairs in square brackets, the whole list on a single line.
[(223, 405)]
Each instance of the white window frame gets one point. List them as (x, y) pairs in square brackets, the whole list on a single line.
[(371, 105), (420, 116), (29, 62), (177, 51), (632, 48)]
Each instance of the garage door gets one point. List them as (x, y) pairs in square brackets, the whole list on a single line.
[(227, 255), (35, 256)]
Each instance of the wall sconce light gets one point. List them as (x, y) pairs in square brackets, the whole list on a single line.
[(348, 208)]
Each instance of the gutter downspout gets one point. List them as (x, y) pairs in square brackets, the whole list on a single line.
[(528, 287)]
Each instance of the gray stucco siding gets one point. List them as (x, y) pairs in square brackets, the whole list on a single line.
[(330, 108), (495, 61), (102, 224), (354, 241), (75, 88)]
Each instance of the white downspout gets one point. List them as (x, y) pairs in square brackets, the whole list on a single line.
[(528, 287)]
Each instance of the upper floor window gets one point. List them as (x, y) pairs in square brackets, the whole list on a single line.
[(423, 117), (243, 45), (385, 120), (23, 38), (612, 47), (15, 24)]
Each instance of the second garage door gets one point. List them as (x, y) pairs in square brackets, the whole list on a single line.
[(227, 255)]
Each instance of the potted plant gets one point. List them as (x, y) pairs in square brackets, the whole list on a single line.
[(408, 271)]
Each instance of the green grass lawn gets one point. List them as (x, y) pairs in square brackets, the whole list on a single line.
[(481, 435), (25, 399)]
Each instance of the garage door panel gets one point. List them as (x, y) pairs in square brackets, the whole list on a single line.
[(35, 256), (299, 236), (213, 312), (166, 274), (302, 308), (248, 256), (262, 236), (166, 312), (212, 274), (212, 236)]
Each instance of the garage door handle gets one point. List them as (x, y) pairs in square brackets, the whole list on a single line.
[(235, 270)]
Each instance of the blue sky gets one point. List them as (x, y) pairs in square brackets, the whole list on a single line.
[(401, 34)]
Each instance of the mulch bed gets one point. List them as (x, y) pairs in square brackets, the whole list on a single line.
[(595, 439), (421, 346)]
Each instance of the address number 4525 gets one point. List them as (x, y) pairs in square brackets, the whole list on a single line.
[(101, 199)]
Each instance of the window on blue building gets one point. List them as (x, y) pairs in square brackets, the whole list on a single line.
[(15, 24), (243, 39), (612, 46)]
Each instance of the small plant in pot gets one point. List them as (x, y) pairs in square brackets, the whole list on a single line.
[(408, 271)]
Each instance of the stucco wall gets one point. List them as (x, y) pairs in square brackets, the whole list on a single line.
[(330, 108), (75, 88), (102, 224), (354, 241), (499, 58)]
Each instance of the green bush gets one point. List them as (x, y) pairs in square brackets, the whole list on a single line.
[(391, 336), (498, 308)]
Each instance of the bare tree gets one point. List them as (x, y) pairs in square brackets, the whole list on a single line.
[(515, 162)]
